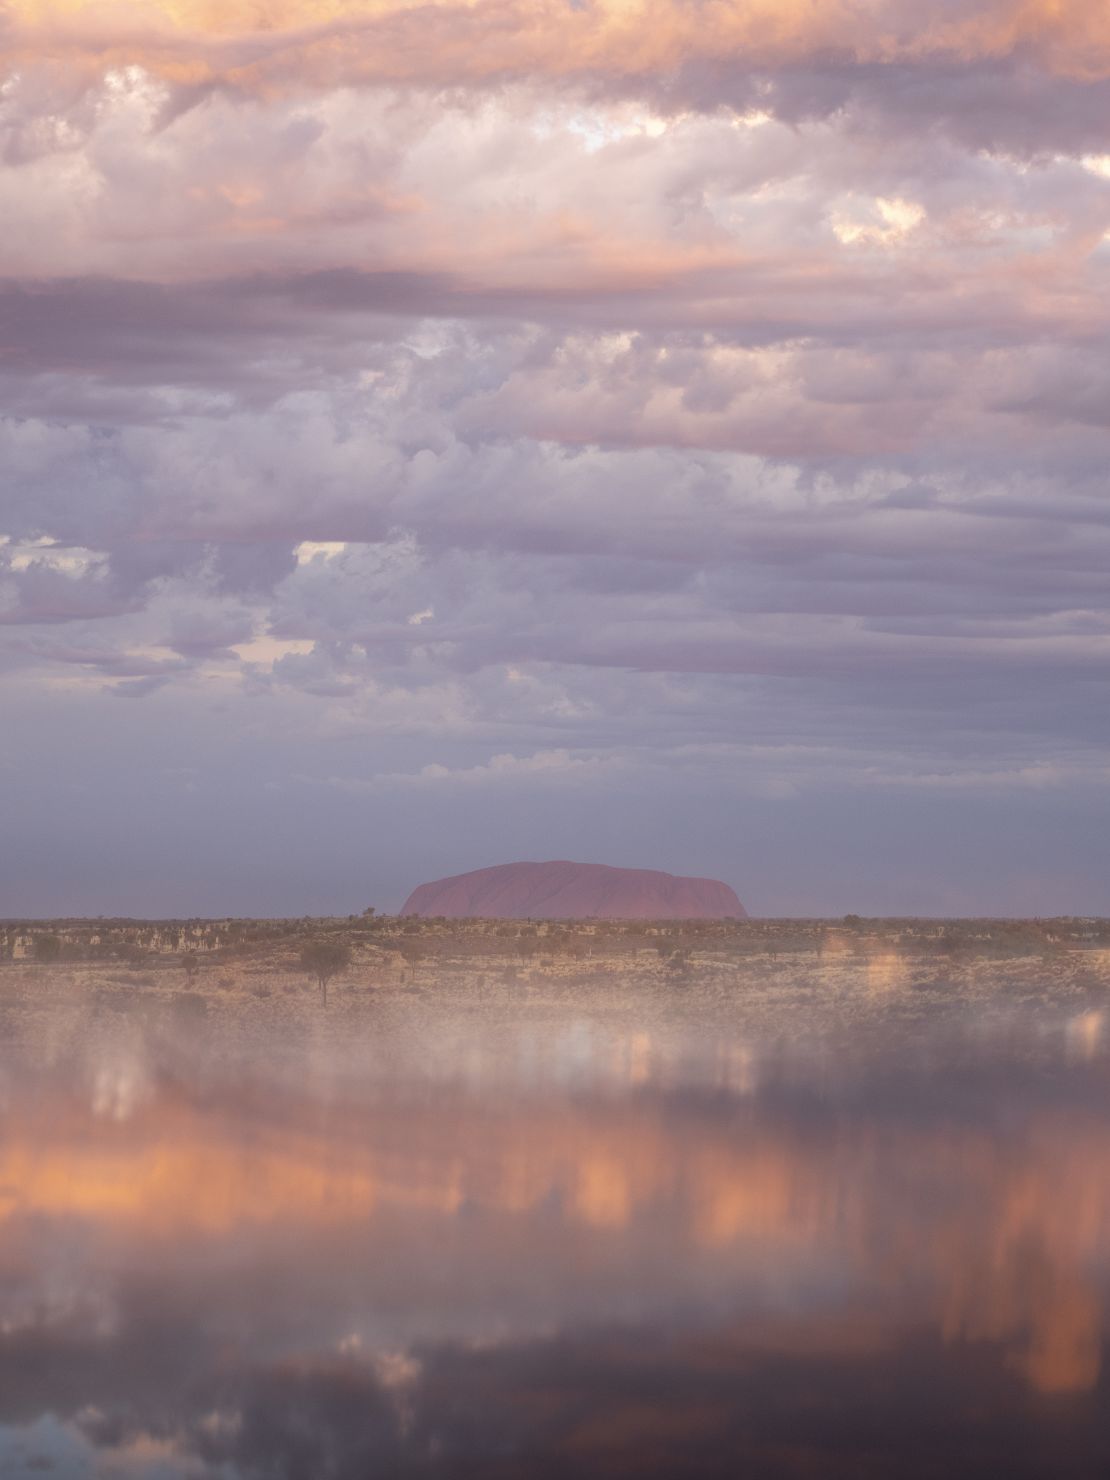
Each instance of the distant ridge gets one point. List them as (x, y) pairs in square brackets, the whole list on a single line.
[(574, 891)]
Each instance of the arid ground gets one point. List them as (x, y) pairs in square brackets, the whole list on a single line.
[(758, 977)]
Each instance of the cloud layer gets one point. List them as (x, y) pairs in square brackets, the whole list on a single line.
[(717, 406)]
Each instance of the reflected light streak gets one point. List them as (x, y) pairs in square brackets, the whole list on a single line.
[(1004, 1239)]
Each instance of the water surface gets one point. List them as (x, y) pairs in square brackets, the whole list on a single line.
[(579, 1242)]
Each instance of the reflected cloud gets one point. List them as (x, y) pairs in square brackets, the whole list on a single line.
[(575, 1204), (585, 1239)]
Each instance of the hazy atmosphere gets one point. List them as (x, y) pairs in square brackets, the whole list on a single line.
[(554, 763), (669, 434)]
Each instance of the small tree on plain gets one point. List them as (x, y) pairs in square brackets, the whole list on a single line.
[(47, 949), (323, 959)]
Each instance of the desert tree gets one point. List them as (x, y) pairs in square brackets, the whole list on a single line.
[(411, 954), (47, 948), (678, 963), (323, 959)]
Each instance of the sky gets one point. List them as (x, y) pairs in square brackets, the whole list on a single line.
[(666, 433)]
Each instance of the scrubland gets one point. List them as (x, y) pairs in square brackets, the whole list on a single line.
[(758, 976)]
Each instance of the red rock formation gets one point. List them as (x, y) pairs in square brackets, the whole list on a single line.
[(574, 891)]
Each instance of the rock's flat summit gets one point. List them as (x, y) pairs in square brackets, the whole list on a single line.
[(574, 891)]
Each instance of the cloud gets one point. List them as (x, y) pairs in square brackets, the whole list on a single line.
[(534, 381), (542, 768), (276, 45), (138, 688)]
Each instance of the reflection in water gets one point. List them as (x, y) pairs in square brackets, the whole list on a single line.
[(627, 1255)]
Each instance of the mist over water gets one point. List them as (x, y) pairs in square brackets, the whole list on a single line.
[(598, 1237)]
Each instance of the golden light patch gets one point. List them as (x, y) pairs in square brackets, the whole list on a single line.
[(293, 43), (1004, 1256), (887, 972)]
